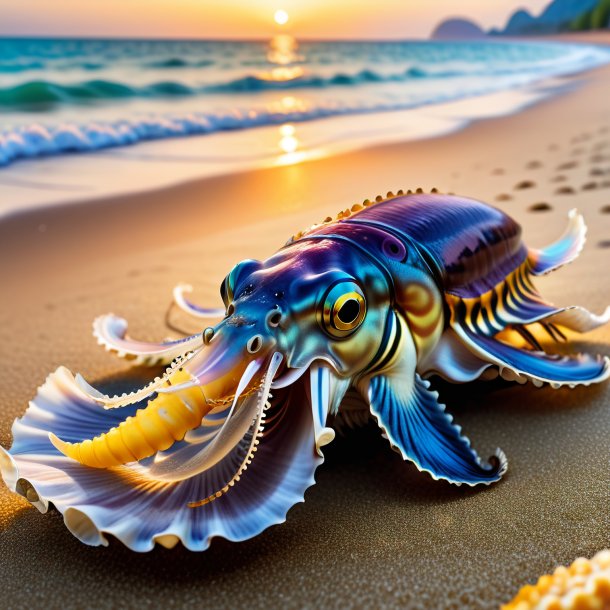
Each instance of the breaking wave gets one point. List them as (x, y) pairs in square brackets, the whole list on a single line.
[(223, 85)]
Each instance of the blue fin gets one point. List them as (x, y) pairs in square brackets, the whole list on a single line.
[(538, 366), (413, 419), (424, 433)]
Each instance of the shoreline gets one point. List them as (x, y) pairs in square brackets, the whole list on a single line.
[(69, 178), (188, 165), (78, 222)]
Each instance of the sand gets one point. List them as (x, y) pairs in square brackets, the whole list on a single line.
[(373, 532)]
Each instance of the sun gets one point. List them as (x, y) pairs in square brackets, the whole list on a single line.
[(281, 17)]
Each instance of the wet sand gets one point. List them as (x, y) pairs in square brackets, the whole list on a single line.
[(373, 532)]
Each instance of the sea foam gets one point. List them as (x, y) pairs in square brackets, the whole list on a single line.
[(152, 90)]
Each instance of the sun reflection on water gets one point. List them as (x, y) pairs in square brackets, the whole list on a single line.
[(292, 149), (288, 104), (288, 142), (289, 145), (282, 52), (286, 65)]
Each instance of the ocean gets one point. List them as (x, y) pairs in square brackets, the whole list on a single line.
[(60, 97)]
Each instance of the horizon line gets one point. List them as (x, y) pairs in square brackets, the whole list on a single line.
[(199, 39)]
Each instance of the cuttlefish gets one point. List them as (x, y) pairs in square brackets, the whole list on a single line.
[(377, 300)]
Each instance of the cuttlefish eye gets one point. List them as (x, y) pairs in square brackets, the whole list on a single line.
[(343, 309)]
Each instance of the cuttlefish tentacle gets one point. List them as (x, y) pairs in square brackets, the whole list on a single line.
[(414, 420), (257, 429), (185, 462), (165, 420), (130, 398), (191, 308), (111, 332), (129, 505)]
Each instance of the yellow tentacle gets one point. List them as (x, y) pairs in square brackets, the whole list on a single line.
[(165, 420)]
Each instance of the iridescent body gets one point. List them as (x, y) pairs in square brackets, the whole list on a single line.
[(374, 301)]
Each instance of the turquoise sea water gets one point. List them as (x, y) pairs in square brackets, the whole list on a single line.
[(64, 96)]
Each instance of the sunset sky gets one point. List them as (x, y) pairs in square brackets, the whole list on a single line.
[(246, 18)]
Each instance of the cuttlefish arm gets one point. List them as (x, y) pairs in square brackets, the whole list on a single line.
[(415, 422), (165, 419), (191, 308), (198, 457), (249, 489), (111, 332)]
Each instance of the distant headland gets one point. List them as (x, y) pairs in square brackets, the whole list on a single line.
[(557, 16)]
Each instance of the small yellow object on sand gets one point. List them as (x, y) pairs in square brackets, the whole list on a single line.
[(585, 585)]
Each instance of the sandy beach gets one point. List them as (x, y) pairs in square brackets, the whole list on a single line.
[(373, 532)]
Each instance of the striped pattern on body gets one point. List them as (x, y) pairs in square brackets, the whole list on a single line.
[(512, 301), (391, 346)]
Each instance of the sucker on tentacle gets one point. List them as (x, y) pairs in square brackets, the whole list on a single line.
[(257, 433), (256, 437), (376, 300), (129, 398)]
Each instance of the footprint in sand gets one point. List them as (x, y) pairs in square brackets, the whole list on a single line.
[(604, 129), (524, 184), (601, 146), (534, 165), (567, 165), (560, 178), (541, 206), (565, 190), (605, 184), (604, 243), (590, 186), (599, 158), (598, 171), (498, 172), (503, 197), (577, 151), (605, 209)]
